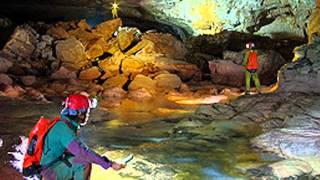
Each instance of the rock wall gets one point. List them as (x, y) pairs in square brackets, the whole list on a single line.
[(302, 75), (314, 24)]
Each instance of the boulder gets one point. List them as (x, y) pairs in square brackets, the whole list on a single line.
[(168, 81), (71, 52), (141, 94), (302, 75), (94, 51), (115, 92), (126, 37), (112, 64), (47, 39), (22, 42), (13, 91), (132, 65), (146, 46), (58, 32), (82, 24), (141, 81), (117, 81), (188, 72), (184, 70), (90, 74), (230, 71), (85, 37), (112, 97), (106, 29), (28, 80), (5, 65), (111, 46), (94, 89), (63, 73), (226, 72), (167, 44), (35, 94), (5, 79)]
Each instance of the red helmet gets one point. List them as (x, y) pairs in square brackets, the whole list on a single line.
[(77, 102)]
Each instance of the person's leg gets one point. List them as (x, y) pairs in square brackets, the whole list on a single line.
[(81, 169), (256, 81), (248, 78), (58, 171)]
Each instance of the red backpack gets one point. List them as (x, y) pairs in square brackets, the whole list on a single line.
[(31, 161), (253, 60)]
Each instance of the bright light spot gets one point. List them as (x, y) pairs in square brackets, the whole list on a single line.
[(115, 5), (206, 100)]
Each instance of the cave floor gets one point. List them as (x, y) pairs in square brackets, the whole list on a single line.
[(146, 135)]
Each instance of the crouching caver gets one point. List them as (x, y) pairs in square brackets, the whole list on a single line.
[(64, 156)]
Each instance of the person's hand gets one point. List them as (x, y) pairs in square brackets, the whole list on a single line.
[(116, 166)]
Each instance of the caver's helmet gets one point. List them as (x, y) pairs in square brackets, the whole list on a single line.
[(250, 45), (77, 104)]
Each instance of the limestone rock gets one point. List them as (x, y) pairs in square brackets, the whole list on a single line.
[(5, 65), (115, 92), (226, 72), (90, 74), (35, 94), (113, 63), (94, 89), (126, 37), (141, 94), (84, 36), (303, 74), (117, 81), (168, 81), (290, 143), (28, 80), (58, 33), (22, 42), (112, 46), (132, 65), (13, 91), (141, 81), (145, 46), (286, 169), (167, 44), (94, 51), (71, 52), (5, 79), (112, 97), (82, 24), (108, 28), (63, 73), (47, 39), (314, 21)]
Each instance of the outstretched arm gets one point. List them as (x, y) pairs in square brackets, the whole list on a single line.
[(86, 155)]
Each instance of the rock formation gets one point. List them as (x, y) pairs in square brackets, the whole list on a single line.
[(77, 57)]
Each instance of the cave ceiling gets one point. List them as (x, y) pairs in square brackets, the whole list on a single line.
[(273, 18)]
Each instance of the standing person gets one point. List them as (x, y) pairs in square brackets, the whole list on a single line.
[(114, 10), (251, 66), (64, 156)]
